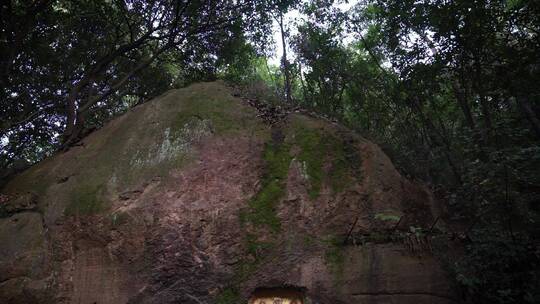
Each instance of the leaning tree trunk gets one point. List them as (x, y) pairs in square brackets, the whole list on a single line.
[(75, 122)]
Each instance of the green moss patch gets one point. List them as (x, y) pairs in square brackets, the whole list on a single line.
[(312, 156), (261, 213), (318, 147), (325, 159), (218, 107), (255, 247), (215, 111), (387, 216), (86, 199), (262, 207), (256, 252), (228, 296), (119, 218), (334, 255)]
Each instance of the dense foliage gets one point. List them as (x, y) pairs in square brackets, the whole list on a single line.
[(448, 88)]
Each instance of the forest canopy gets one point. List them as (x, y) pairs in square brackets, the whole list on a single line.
[(449, 89)]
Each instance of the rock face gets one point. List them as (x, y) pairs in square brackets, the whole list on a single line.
[(191, 198)]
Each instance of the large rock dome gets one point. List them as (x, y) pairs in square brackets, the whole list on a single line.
[(193, 198)]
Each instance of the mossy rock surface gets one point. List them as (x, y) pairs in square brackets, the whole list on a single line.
[(193, 198), (157, 137), (149, 141)]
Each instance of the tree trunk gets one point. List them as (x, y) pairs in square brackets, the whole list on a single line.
[(433, 133), (75, 123), (483, 99), (285, 62), (529, 113), (461, 97), (304, 90), (271, 76)]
